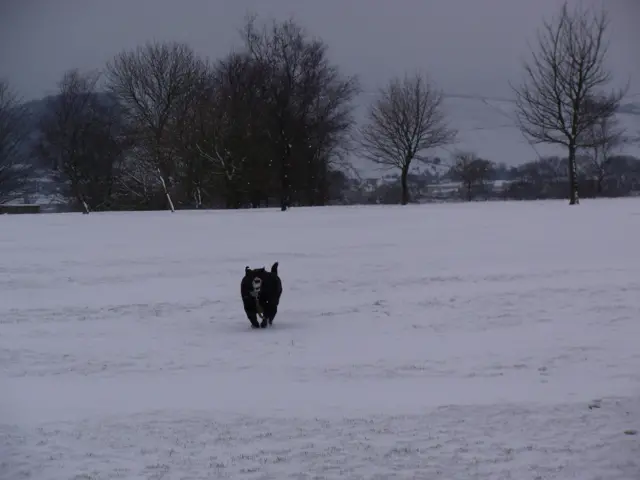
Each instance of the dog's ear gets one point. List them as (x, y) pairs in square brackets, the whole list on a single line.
[(247, 270), (274, 268)]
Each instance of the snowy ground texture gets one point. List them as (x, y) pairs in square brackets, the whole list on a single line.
[(483, 341)]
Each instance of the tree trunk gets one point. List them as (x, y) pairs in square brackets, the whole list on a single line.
[(166, 192), (285, 178), (197, 197), (599, 182), (83, 204), (405, 188), (573, 177), (75, 186)]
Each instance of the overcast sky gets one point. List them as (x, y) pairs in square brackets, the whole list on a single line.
[(467, 46)]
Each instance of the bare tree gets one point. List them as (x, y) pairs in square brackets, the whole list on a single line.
[(328, 139), (14, 172), (568, 69), (306, 101), (152, 84), (404, 123), (79, 136), (473, 172), (230, 112), (605, 138)]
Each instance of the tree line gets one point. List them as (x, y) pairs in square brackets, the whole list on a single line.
[(563, 100), (161, 127), (471, 178), (272, 123)]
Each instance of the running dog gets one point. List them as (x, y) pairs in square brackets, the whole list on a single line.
[(261, 291)]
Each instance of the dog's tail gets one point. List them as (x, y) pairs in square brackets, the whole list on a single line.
[(274, 268)]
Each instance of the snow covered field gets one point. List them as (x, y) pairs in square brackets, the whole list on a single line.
[(485, 341)]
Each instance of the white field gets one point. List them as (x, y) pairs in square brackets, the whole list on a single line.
[(426, 342)]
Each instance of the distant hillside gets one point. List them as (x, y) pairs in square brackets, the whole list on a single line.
[(630, 108), (37, 110)]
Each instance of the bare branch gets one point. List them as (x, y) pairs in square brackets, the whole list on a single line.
[(568, 68), (155, 84), (602, 140), (306, 106), (404, 123)]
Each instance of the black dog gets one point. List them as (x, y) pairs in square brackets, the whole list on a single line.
[(261, 291)]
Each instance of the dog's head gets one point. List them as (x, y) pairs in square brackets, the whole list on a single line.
[(258, 282)]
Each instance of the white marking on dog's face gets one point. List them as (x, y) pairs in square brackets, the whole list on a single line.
[(257, 285)]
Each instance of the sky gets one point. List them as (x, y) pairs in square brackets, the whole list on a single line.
[(472, 47)]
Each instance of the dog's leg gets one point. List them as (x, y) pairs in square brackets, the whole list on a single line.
[(260, 308), (250, 310), (253, 318), (270, 312)]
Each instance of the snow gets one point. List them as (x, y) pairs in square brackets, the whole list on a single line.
[(487, 340)]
